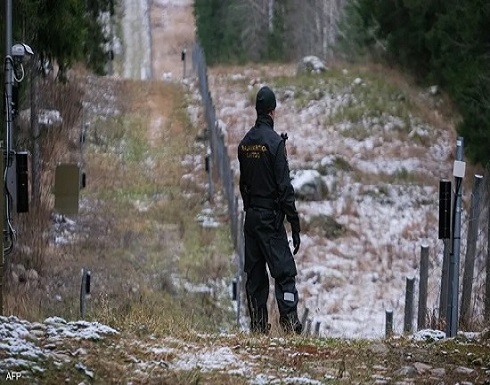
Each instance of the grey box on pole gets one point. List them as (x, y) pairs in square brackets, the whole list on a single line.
[(67, 189)]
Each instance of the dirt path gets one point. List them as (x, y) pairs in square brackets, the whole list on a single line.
[(172, 30)]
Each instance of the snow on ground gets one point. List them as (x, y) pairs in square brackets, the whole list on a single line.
[(30, 349), (347, 283), (21, 341)]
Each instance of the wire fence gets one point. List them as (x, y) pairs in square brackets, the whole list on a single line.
[(220, 161), (220, 169)]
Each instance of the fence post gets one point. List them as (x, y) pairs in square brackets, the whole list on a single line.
[(183, 62), (305, 316), (469, 262), (424, 278), (317, 329), (241, 258), (445, 194), (209, 169), (452, 309), (389, 323), (308, 328), (407, 325), (84, 291)]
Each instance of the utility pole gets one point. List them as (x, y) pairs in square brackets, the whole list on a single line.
[(452, 308), (8, 137), (14, 54)]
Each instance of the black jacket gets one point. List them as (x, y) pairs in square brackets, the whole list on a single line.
[(264, 170)]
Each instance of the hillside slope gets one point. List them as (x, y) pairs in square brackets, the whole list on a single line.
[(161, 280), (374, 149)]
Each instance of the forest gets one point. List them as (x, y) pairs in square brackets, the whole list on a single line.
[(445, 43)]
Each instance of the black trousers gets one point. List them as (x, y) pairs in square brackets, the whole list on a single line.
[(266, 243)]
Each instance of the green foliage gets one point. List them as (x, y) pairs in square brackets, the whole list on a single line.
[(65, 31), (444, 42), (230, 32), (217, 29)]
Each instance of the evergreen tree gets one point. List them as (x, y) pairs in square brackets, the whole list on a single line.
[(439, 41), (65, 31)]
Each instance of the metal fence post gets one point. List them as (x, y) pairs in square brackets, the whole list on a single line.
[(84, 291), (305, 316), (469, 262), (317, 329), (452, 309), (308, 328), (407, 324), (424, 278), (389, 323)]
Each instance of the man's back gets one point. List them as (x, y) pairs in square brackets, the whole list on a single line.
[(257, 155)]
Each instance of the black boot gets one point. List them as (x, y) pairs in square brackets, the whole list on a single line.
[(290, 323)]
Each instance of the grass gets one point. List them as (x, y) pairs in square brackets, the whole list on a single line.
[(144, 359), (136, 229)]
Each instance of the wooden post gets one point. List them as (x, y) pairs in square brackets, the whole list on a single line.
[(424, 278), (469, 262), (407, 325), (308, 328), (305, 316), (389, 323), (317, 329)]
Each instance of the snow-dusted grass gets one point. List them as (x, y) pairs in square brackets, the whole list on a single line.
[(370, 136), (56, 351)]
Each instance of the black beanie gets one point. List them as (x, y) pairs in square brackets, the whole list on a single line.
[(266, 100)]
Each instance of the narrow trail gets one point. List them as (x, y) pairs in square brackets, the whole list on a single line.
[(172, 30)]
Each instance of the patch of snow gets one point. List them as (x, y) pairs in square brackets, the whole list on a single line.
[(208, 360), (428, 335)]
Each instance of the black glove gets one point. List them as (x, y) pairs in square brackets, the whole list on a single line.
[(296, 242)]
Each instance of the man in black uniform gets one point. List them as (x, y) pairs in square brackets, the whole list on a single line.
[(268, 197)]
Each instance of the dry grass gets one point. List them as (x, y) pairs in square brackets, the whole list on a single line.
[(133, 253), (135, 229), (168, 43)]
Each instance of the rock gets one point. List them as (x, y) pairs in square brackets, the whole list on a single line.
[(434, 90), (326, 226), (287, 95), (308, 185), (421, 367), (379, 349), (311, 64), (406, 371), (461, 370), (438, 372)]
